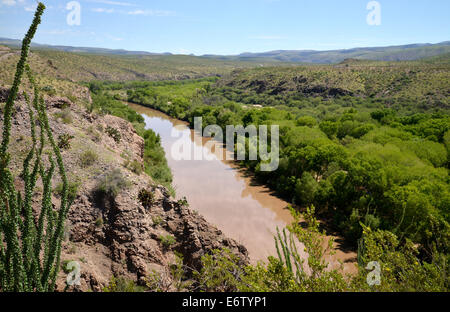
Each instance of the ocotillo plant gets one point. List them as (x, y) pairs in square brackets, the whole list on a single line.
[(30, 248), (288, 254)]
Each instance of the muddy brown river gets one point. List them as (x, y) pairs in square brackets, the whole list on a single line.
[(221, 191)]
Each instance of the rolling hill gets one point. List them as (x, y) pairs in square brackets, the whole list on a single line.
[(408, 52), (394, 53)]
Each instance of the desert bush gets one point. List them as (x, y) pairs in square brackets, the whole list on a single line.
[(65, 115), (50, 90), (88, 158), (134, 166), (157, 220), (64, 266), (72, 98), (167, 240), (64, 141), (111, 184), (146, 198), (183, 202), (123, 285), (170, 278), (72, 189), (95, 135), (113, 133), (219, 273), (99, 222)]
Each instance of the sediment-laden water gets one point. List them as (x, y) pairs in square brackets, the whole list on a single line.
[(221, 191)]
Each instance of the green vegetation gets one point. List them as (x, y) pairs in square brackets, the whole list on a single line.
[(113, 133), (72, 189), (146, 198), (401, 270), (88, 158), (82, 67), (172, 279), (30, 247), (65, 115), (157, 220), (167, 240), (394, 53), (64, 266), (110, 185), (135, 166), (64, 141), (122, 285), (351, 157), (223, 271), (94, 134), (155, 163), (366, 143)]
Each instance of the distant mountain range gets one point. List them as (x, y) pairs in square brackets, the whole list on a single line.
[(18, 43), (408, 52), (393, 53)]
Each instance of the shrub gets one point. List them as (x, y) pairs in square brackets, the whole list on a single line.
[(64, 266), (307, 121), (157, 220), (50, 90), (111, 184), (88, 158), (167, 240), (183, 202), (146, 198), (113, 133), (219, 273), (170, 278), (72, 98), (121, 284), (72, 190), (65, 115), (95, 135), (99, 222), (134, 166), (64, 141)]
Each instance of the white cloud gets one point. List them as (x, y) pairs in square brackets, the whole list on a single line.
[(11, 2), (30, 8), (151, 13), (8, 2), (103, 10), (114, 2), (114, 38)]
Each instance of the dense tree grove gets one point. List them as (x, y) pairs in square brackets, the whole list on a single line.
[(376, 161)]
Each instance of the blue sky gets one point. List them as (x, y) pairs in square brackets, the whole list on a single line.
[(230, 26)]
